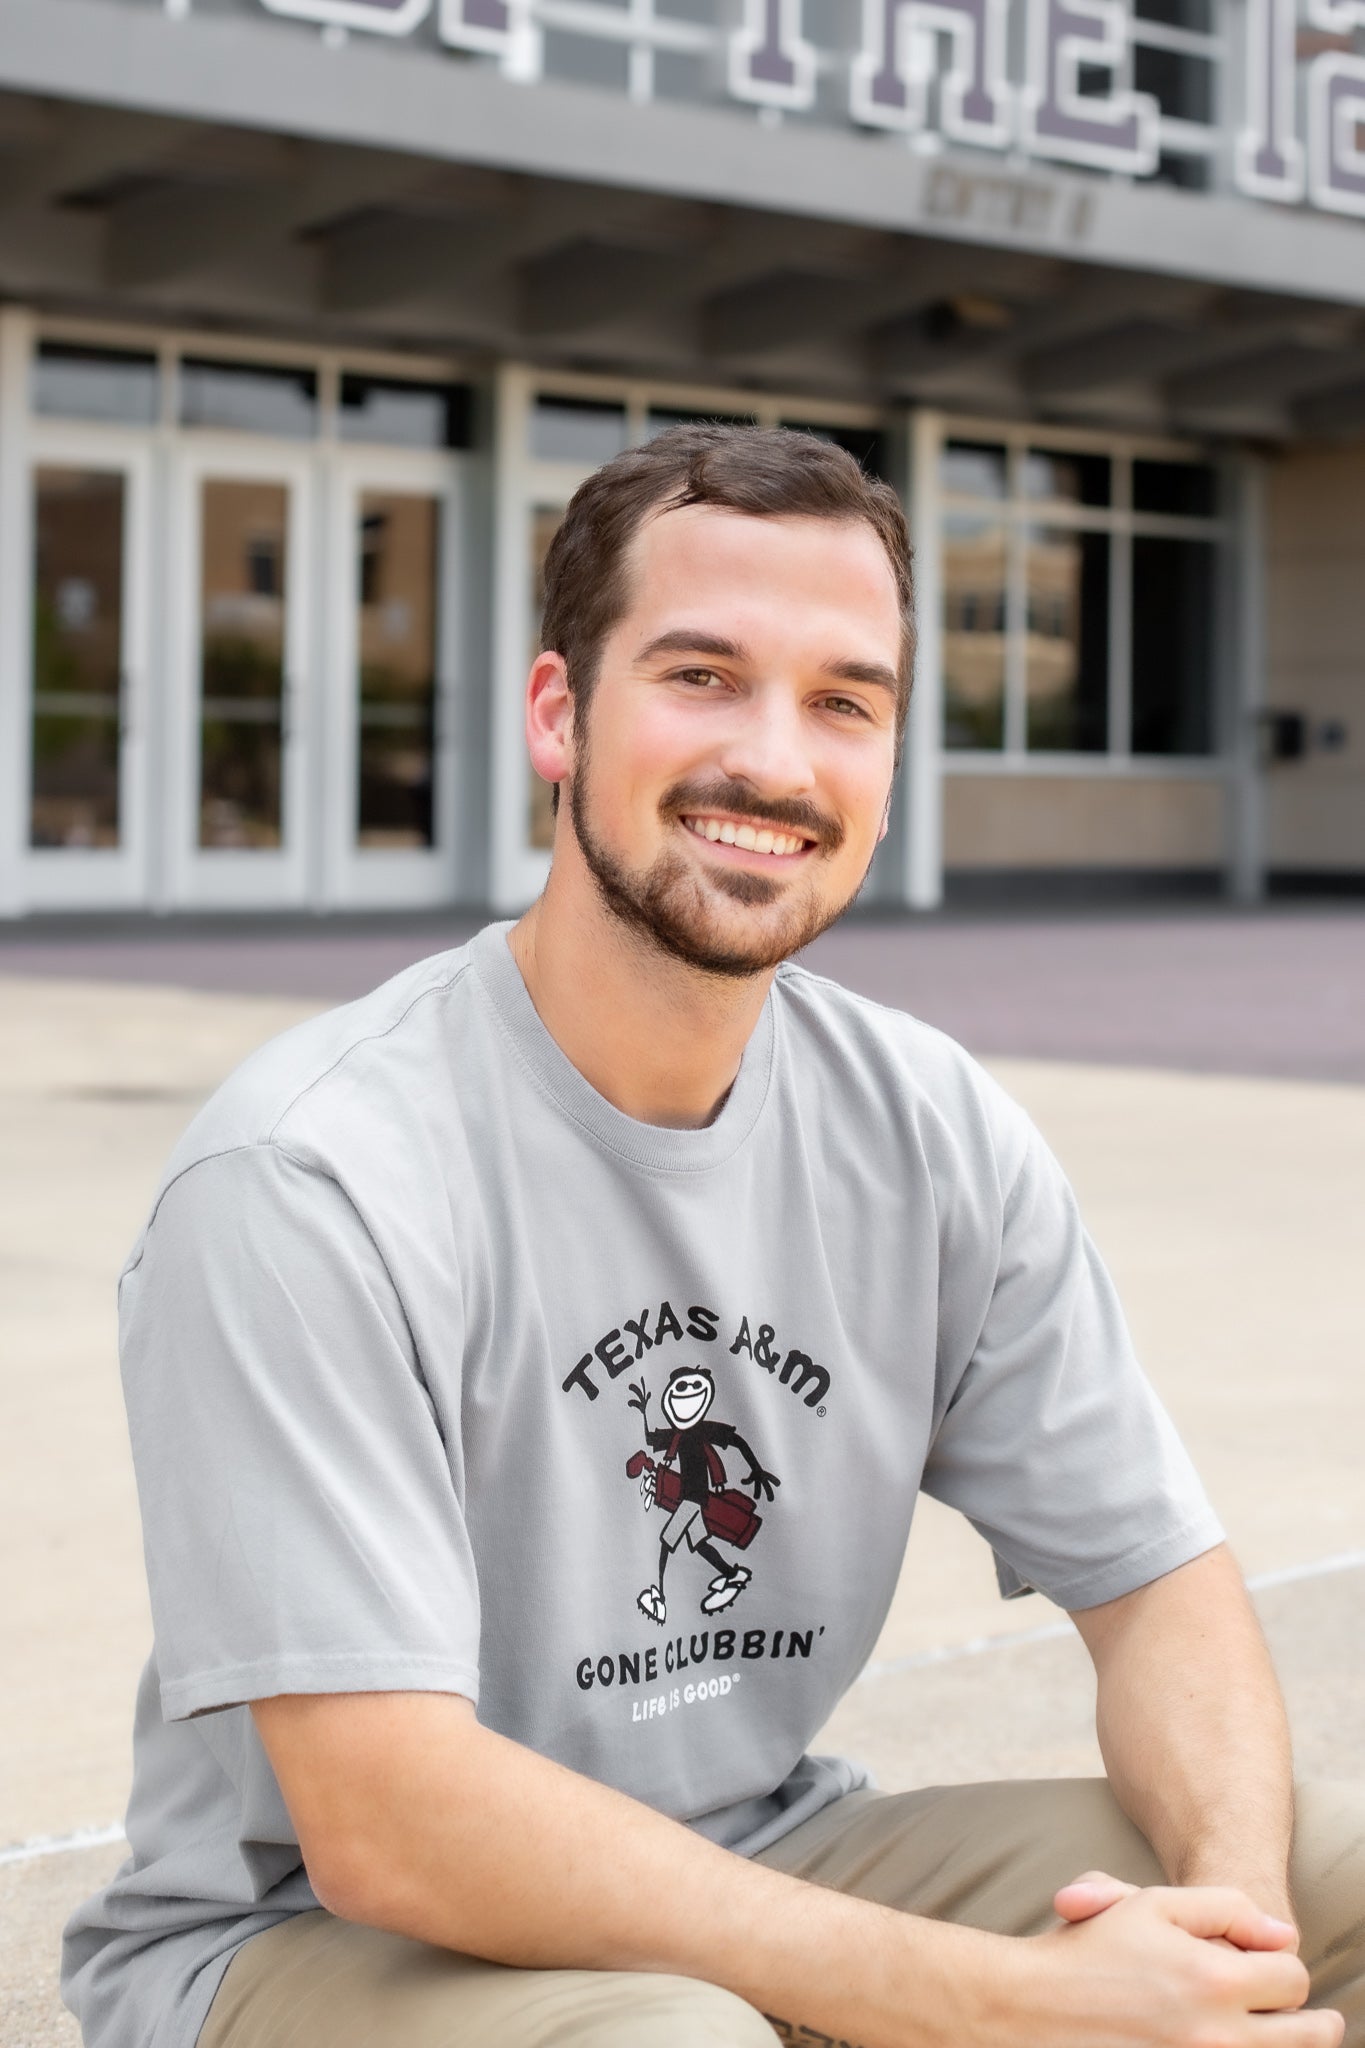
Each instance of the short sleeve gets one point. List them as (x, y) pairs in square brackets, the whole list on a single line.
[(1054, 1443), (300, 1521)]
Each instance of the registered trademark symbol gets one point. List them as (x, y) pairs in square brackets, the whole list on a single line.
[(819, 1411)]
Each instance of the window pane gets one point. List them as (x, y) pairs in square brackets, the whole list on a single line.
[(95, 384), (1066, 658), (1186, 490), (1173, 645), (405, 415), (77, 657), (974, 469), (973, 633), (662, 416), (399, 543), (577, 430), (243, 599), (1191, 14), (249, 397), (867, 445), (1183, 85), (1075, 479)]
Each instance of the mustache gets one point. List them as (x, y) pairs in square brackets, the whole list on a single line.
[(787, 813)]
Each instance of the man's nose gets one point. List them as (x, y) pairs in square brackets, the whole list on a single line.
[(767, 744)]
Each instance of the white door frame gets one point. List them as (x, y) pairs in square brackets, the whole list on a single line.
[(101, 878), (222, 877), (357, 877)]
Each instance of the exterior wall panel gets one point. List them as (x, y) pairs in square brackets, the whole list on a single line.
[(1070, 822)]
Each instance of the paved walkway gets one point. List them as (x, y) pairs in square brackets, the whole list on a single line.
[(1230, 1204), (1273, 991)]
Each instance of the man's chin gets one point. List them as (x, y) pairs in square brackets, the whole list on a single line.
[(733, 925)]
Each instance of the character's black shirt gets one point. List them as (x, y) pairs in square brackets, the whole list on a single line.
[(694, 1469)]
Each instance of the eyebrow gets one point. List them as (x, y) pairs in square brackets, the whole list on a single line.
[(875, 673), (682, 641)]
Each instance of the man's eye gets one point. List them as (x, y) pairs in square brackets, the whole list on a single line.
[(847, 706), (697, 675)]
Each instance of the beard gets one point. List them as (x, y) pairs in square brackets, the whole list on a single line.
[(674, 907)]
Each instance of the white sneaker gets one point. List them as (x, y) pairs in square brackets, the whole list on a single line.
[(724, 1591), (652, 1604)]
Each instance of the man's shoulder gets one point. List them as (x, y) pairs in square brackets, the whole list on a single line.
[(860, 1029), (309, 1085), (866, 1056)]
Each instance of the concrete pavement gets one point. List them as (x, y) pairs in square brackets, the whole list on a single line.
[(1231, 1208)]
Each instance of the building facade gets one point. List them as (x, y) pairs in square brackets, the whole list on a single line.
[(313, 313)]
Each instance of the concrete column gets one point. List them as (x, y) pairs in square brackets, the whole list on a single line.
[(1245, 861), (16, 341), (922, 772)]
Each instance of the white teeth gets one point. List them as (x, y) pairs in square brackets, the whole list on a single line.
[(751, 838)]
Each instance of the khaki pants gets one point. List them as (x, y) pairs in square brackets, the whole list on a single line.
[(987, 1856)]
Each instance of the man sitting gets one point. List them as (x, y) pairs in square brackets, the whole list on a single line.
[(480, 1700)]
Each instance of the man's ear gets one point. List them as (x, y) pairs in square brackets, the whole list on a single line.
[(549, 718)]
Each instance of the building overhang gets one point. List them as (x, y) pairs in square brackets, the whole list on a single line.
[(220, 168)]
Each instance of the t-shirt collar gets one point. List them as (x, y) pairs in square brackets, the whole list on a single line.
[(647, 1145)]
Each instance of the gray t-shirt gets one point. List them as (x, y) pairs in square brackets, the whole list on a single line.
[(401, 1350)]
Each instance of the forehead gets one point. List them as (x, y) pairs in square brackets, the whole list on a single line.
[(835, 570)]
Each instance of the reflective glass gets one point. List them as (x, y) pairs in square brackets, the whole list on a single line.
[(576, 430), (867, 445), (400, 415), (244, 592), (974, 469), (253, 398), (1187, 490), (1066, 648), (1173, 645), (1182, 85), (399, 583), (72, 383), (974, 558), (661, 416), (77, 657), (1074, 479)]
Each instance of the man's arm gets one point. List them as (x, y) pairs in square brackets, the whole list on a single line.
[(412, 1816), (1192, 1728)]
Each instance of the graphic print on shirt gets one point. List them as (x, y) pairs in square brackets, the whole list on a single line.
[(689, 1484)]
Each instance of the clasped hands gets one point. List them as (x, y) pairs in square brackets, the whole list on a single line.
[(1239, 1980)]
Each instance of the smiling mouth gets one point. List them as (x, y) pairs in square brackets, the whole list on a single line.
[(749, 838)]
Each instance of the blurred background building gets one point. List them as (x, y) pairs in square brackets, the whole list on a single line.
[(314, 312)]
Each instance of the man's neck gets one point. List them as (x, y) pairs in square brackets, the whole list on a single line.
[(662, 1041)]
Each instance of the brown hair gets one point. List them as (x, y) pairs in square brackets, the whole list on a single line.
[(767, 472)]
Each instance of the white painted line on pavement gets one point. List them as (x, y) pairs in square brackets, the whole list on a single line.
[(1056, 1631), (943, 1653), (58, 1845)]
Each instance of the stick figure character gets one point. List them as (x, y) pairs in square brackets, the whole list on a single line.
[(699, 1504)]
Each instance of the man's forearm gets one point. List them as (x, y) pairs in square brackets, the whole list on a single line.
[(490, 1849), (1193, 1730), (412, 1817)]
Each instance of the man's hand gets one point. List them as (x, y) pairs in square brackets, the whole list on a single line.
[(412, 1816), (1096, 1890), (1169, 1967)]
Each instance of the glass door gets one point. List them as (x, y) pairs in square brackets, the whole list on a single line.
[(391, 735), (241, 675), (84, 823)]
